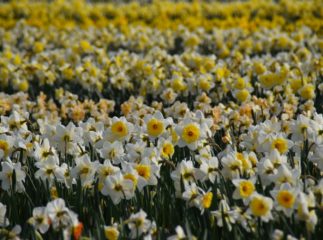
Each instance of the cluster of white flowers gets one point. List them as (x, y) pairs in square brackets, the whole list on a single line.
[(206, 121)]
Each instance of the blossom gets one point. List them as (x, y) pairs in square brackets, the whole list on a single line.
[(44, 150), (226, 214), (3, 220), (111, 232), (112, 151), (261, 206), (47, 169), (85, 169), (40, 220), (285, 198), (120, 130), (244, 188), (180, 234), (59, 214), (117, 187), (190, 133), (156, 124), (138, 224), (10, 168)]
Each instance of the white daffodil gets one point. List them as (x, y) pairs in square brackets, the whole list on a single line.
[(261, 206), (303, 128), (204, 154), (117, 187), (44, 150), (186, 172), (138, 224), (67, 137), (15, 121), (85, 169), (63, 175), (190, 133), (276, 158), (112, 151), (6, 146), (156, 124), (266, 171), (180, 234), (111, 232), (305, 209), (47, 169), (285, 198), (210, 168), (147, 170), (130, 173), (58, 213), (120, 129), (92, 131), (104, 170), (135, 151), (287, 175), (40, 220), (13, 234), (166, 148), (191, 194), (244, 188), (226, 214), (232, 166), (3, 220), (6, 174), (317, 156)]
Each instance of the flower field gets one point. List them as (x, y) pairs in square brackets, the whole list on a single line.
[(161, 120)]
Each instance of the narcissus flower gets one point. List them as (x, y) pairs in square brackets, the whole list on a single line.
[(307, 91), (190, 133), (40, 220), (225, 214), (285, 198), (6, 176), (85, 169), (3, 220), (120, 130), (261, 206), (138, 224), (166, 148), (180, 234), (117, 187), (156, 124), (244, 188), (111, 232)]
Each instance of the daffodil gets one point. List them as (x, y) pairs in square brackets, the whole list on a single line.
[(190, 133), (225, 215), (285, 198), (48, 169), (40, 220), (138, 224), (166, 147), (10, 168), (111, 232), (85, 169), (244, 188), (117, 187), (112, 151), (261, 206), (120, 130), (3, 220), (156, 124)]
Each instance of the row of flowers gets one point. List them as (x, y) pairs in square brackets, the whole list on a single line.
[(164, 14), (267, 168), (227, 65)]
